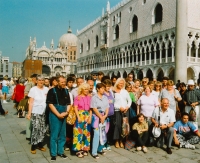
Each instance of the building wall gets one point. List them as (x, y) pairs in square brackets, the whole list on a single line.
[(31, 67)]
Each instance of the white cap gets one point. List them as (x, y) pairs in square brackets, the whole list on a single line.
[(190, 82), (156, 132)]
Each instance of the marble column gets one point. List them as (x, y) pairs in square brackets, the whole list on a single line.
[(166, 55), (181, 41)]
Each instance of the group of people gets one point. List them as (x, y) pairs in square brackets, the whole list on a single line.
[(109, 111)]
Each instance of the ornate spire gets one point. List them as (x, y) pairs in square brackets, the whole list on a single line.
[(69, 29)]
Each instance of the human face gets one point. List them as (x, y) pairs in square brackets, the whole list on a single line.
[(70, 84), (129, 88), (46, 82), (164, 82), (120, 85), (152, 86), (183, 88), (79, 82), (190, 87), (40, 82), (100, 77), (144, 82), (141, 119), (34, 80), (94, 76), (165, 104), (62, 82), (54, 83), (91, 83), (107, 88), (147, 91), (114, 81), (158, 87), (130, 78), (137, 84), (185, 119), (170, 87), (85, 91), (101, 90)]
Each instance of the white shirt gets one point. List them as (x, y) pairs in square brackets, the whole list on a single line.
[(39, 96), (74, 92), (165, 117), (122, 99), (5, 83)]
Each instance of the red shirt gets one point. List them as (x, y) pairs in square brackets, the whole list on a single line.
[(19, 92)]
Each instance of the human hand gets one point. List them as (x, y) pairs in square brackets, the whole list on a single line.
[(28, 116), (176, 141), (156, 124), (121, 109), (163, 127), (89, 121), (60, 116), (193, 104), (102, 119)]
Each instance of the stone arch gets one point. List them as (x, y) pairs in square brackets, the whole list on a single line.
[(46, 71), (149, 74), (190, 73), (140, 75), (125, 75), (171, 74), (58, 69), (118, 74), (160, 74)]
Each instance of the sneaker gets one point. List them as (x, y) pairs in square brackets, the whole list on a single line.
[(108, 148), (53, 158), (4, 101), (169, 151), (139, 148), (191, 146), (66, 149), (63, 156), (144, 149), (104, 149)]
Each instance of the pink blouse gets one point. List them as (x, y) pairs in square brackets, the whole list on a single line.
[(82, 103)]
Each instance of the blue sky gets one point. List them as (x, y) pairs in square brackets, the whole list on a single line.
[(43, 19)]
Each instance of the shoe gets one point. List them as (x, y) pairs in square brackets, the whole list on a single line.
[(139, 148), (108, 148), (66, 149), (29, 139), (53, 158), (121, 145), (79, 154), (6, 112), (191, 146), (144, 149), (95, 156), (84, 153), (63, 156), (42, 149), (104, 149), (102, 152), (117, 144), (4, 101), (33, 151), (169, 151)]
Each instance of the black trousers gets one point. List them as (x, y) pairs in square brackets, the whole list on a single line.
[(140, 141), (2, 111)]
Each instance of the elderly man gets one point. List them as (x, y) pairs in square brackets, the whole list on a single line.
[(92, 90), (74, 92), (185, 133), (131, 78), (192, 100), (59, 101), (164, 118)]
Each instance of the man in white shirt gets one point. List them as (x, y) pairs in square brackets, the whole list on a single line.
[(74, 92), (164, 118)]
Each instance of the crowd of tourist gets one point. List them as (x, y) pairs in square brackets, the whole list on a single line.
[(92, 115)]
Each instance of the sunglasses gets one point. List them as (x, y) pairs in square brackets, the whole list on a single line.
[(144, 81), (94, 75)]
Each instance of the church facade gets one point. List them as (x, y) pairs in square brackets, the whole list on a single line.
[(148, 38), (60, 60)]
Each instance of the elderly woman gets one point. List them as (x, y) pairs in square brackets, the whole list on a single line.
[(171, 94), (37, 105), (140, 133), (122, 103), (147, 103), (81, 130), (100, 107)]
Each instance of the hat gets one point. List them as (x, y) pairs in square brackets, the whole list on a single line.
[(94, 72), (190, 82), (33, 75), (156, 132)]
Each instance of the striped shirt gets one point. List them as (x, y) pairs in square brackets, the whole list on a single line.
[(192, 96)]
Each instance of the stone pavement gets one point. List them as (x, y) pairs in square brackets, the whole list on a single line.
[(15, 149)]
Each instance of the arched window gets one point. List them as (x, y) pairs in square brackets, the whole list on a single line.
[(97, 41), (88, 47), (134, 23), (113, 20), (158, 13), (81, 48), (116, 34), (105, 37)]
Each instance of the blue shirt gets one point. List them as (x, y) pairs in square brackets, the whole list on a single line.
[(181, 127), (99, 103)]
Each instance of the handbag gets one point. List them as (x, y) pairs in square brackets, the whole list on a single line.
[(129, 144), (125, 126), (14, 94), (71, 118), (23, 104), (102, 133), (192, 115)]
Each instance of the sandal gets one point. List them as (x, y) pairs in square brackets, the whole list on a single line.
[(95, 156), (84, 153), (79, 155)]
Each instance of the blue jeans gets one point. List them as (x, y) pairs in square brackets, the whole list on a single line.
[(96, 146), (58, 131)]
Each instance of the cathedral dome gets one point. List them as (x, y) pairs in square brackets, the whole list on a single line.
[(68, 39)]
